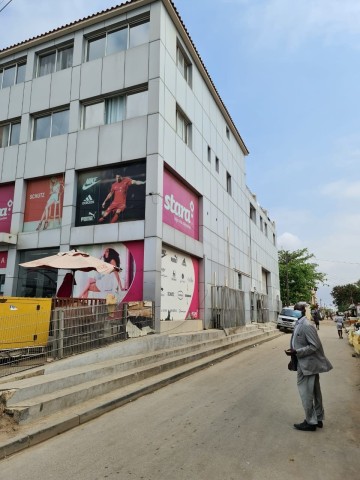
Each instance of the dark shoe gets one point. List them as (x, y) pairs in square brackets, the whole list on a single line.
[(320, 424), (305, 427)]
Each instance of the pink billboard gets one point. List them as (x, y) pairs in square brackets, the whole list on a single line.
[(126, 285), (3, 259), (6, 207), (180, 206)]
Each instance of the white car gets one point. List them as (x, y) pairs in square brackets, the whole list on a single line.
[(286, 319)]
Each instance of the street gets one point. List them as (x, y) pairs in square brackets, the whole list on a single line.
[(231, 421)]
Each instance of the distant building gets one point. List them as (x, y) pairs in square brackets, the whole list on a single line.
[(88, 113)]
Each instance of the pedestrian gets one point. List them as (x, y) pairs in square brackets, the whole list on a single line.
[(339, 320), (305, 344), (316, 317)]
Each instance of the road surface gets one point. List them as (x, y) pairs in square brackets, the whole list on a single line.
[(231, 421)]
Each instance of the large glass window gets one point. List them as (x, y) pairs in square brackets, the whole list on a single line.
[(12, 74), (56, 123), (137, 104), (94, 115), (115, 109), (55, 60), (39, 282), (96, 47), (118, 40), (9, 134), (183, 127), (183, 65), (139, 34)]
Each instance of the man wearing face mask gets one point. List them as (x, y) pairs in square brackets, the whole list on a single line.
[(306, 345)]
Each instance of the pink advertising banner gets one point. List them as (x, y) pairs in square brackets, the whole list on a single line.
[(127, 285), (3, 259), (180, 206), (6, 207)]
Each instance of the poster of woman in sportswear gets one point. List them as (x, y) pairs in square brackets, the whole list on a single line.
[(111, 195)]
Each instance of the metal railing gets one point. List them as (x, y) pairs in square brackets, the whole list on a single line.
[(75, 326)]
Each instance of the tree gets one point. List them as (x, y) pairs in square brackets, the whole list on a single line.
[(345, 295), (298, 277)]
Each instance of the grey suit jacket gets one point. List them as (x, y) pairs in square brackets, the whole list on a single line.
[(309, 350)]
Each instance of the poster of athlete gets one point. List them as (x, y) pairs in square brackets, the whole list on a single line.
[(111, 195)]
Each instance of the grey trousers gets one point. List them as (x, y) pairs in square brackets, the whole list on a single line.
[(311, 398)]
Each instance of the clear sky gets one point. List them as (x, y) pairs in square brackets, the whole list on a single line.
[(288, 72)]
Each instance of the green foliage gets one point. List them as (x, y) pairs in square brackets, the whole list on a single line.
[(345, 295), (298, 276)]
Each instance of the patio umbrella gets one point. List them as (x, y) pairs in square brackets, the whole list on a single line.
[(72, 260)]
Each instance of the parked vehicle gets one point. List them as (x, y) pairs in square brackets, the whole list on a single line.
[(286, 319)]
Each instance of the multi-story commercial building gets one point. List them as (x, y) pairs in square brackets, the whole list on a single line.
[(114, 140)]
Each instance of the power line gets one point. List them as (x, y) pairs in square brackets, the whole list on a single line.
[(3, 8)]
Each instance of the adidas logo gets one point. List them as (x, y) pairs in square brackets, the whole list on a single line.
[(88, 200)]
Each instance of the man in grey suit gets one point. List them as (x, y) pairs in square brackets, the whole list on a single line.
[(306, 345)]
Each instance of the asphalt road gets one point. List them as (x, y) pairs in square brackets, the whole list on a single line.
[(233, 420)]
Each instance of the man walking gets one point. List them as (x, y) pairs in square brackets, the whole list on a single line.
[(317, 317), (311, 361)]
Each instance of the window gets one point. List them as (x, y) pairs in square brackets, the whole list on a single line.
[(209, 154), (274, 239), (10, 134), (115, 109), (51, 125), (261, 224), (39, 282), (253, 213), (239, 281), (128, 36), (183, 64), (12, 74), (55, 60), (266, 229), (183, 127), (228, 183), (217, 164), (228, 132)]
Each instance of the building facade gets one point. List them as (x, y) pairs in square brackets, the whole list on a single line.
[(114, 140)]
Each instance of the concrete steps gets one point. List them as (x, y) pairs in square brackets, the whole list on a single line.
[(103, 380)]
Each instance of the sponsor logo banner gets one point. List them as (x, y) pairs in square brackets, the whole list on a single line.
[(179, 285)]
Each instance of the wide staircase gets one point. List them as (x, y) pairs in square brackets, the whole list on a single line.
[(69, 392)]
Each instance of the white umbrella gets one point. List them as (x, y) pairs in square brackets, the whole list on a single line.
[(73, 260)]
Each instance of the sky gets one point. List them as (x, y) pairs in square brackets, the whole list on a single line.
[(288, 72)]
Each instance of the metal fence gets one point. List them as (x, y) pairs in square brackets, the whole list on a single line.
[(259, 307), (75, 326), (228, 307)]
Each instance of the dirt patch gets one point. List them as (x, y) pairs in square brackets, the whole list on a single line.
[(8, 426)]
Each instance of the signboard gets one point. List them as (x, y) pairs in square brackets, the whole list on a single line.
[(179, 285), (6, 207), (3, 259), (44, 204), (111, 195), (180, 206), (126, 285)]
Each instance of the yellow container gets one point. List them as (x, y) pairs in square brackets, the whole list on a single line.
[(24, 322)]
